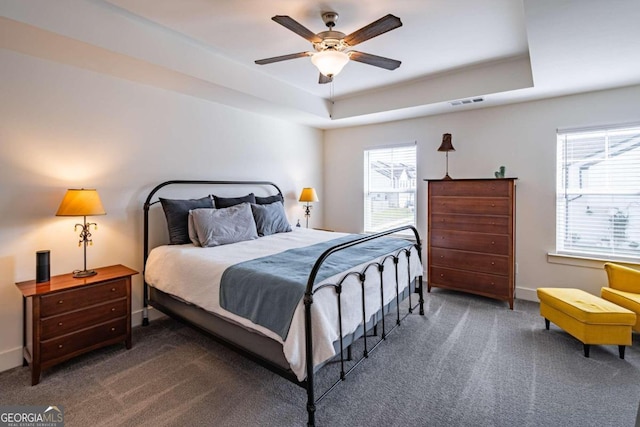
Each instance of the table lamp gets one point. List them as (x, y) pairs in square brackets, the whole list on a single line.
[(446, 146), (308, 195), (82, 202)]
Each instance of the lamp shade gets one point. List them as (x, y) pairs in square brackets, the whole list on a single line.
[(446, 143), (82, 202), (308, 195), (330, 62)]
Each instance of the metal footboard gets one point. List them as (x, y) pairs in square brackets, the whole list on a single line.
[(337, 287)]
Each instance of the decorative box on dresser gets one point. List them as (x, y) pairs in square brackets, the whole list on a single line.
[(471, 236), (68, 316)]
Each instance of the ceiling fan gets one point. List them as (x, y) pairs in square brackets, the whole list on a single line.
[(332, 48)]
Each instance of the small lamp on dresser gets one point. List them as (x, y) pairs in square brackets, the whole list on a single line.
[(82, 202), (308, 195), (446, 146)]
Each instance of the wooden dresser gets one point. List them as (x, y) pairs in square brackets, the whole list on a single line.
[(68, 316), (471, 234)]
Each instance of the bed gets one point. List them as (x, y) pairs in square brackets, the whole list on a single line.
[(292, 299)]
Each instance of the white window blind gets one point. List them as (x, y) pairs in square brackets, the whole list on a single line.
[(598, 193), (389, 187)]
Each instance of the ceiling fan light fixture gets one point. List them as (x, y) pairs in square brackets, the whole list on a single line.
[(330, 62)]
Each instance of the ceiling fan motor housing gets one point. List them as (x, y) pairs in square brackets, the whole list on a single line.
[(331, 40)]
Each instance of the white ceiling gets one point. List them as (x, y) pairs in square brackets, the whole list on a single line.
[(501, 50)]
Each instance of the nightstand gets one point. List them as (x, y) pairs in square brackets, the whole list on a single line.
[(68, 316)]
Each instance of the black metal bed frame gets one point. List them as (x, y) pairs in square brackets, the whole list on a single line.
[(308, 383)]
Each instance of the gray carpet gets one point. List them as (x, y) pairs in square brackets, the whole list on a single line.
[(469, 362)]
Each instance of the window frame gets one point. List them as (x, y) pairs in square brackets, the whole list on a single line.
[(597, 186), (368, 189)]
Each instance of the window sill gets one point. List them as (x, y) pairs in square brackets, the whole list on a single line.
[(585, 261)]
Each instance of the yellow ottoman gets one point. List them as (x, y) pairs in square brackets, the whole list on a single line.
[(588, 318)]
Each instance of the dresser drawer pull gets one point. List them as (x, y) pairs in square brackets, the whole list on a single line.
[(441, 256), (60, 301), (59, 345), (493, 243), (59, 323), (493, 205), (493, 263), (113, 289), (441, 274), (113, 329), (113, 309)]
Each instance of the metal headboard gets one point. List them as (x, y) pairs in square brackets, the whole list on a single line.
[(148, 203)]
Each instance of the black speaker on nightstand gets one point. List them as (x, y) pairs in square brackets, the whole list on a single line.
[(43, 269)]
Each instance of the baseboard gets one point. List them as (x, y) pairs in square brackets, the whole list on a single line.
[(10, 359), (527, 294)]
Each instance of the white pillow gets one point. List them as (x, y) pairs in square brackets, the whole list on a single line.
[(216, 227)]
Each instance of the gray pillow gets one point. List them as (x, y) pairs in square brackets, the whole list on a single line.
[(270, 219), (223, 226), (227, 202), (176, 213)]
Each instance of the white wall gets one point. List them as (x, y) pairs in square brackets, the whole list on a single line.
[(521, 137), (64, 127)]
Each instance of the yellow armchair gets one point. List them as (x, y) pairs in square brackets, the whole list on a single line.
[(624, 289)]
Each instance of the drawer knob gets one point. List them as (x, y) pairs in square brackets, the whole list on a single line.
[(59, 323), (493, 263), (113, 289), (493, 243), (441, 256), (113, 329), (441, 275), (60, 301), (59, 345), (113, 309), (493, 205)]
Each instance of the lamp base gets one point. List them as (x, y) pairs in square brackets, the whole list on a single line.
[(84, 273), (447, 177)]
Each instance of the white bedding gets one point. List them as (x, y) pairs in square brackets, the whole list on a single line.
[(193, 274)]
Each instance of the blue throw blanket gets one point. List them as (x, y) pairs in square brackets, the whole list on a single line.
[(267, 290)]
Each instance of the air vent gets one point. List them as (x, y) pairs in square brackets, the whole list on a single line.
[(466, 101)]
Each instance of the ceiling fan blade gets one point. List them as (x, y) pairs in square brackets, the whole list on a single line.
[(376, 61), (324, 79), (381, 26), (282, 58), (293, 25)]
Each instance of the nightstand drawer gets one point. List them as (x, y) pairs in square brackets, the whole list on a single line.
[(84, 339), (64, 323), (62, 302)]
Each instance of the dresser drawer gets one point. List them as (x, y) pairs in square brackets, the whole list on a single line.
[(472, 261), (483, 224), (470, 205), (499, 244), (62, 302), (61, 324), (78, 341), (469, 281), (470, 188)]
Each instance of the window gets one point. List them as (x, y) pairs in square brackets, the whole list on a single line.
[(389, 188), (598, 193)]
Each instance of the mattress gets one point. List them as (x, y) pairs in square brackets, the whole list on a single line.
[(193, 274)]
